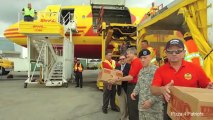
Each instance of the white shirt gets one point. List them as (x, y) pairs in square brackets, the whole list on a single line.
[(122, 66)]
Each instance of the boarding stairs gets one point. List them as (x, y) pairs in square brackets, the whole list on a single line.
[(55, 69)]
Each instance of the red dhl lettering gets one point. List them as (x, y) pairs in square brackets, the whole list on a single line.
[(38, 28), (207, 111), (179, 106), (107, 71), (47, 20)]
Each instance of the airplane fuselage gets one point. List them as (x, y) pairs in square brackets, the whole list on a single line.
[(87, 42)]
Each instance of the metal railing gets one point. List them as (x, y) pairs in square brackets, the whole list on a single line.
[(52, 62), (68, 17), (37, 61), (42, 17)]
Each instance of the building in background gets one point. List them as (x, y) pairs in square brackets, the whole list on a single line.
[(11, 50)]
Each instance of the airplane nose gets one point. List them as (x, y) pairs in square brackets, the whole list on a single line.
[(10, 32)]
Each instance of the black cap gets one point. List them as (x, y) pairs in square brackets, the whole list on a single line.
[(144, 52), (174, 42)]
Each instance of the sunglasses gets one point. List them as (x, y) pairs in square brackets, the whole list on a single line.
[(122, 59), (174, 51)]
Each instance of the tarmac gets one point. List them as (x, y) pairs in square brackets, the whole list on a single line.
[(38, 102)]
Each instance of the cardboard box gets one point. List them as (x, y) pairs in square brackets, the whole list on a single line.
[(190, 104), (106, 74)]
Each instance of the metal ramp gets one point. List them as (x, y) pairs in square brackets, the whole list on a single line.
[(55, 69)]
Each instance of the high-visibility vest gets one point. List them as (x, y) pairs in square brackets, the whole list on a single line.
[(78, 68), (192, 53), (153, 10), (153, 55), (29, 12), (112, 65)]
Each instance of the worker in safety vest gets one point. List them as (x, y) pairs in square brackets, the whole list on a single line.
[(145, 45), (153, 9), (78, 69), (192, 53), (109, 90), (28, 13)]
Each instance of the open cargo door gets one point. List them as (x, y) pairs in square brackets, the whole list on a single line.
[(181, 15)]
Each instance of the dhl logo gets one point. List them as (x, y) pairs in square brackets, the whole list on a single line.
[(47, 20), (38, 27)]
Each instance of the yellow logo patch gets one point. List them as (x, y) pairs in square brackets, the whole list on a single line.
[(188, 76)]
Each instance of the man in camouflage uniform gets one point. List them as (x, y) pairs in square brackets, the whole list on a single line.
[(150, 107)]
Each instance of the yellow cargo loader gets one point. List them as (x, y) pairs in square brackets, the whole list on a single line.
[(194, 16)]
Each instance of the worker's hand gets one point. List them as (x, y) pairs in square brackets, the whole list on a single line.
[(146, 104), (210, 85), (166, 92), (113, 80), (133, 96), (118, 71)]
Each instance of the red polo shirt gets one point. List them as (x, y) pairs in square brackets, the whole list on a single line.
[(136, 66), (189, 75)]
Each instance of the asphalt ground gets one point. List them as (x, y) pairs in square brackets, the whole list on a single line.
[(38, 102)]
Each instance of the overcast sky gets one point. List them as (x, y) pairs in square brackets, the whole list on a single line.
[(9, 8)]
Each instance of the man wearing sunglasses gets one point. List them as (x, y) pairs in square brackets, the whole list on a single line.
[(132, 79), (177, 72), (122, 89)]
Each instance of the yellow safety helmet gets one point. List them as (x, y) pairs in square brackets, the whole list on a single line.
[(187, 34)]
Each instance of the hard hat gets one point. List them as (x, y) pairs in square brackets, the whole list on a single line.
[(187, 34)]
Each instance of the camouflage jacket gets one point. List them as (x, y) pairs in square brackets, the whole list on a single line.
[(142, 89)]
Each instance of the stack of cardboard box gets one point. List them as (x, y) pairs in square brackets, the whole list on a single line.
[(191, 104)]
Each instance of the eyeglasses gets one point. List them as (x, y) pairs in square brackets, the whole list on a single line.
[(122, 59), (174, 51)]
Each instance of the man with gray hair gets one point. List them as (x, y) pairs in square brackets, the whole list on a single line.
[(132, 79)]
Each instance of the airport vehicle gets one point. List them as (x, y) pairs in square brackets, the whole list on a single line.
[(5, 66)]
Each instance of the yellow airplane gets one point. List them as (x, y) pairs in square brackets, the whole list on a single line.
[(86, 40)]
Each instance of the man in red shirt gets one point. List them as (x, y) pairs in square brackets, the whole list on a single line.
[(177, 72), (109, 90), (132, 78)]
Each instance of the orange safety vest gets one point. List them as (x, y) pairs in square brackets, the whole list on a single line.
[(192, 53), (78, 68), (110, 64)]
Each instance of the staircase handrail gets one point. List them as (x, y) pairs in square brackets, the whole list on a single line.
[(39, 56)]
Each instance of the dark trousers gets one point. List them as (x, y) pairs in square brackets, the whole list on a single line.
[(165, 115), (28, 18), (132, 104), (109, 96), (79, 79)]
